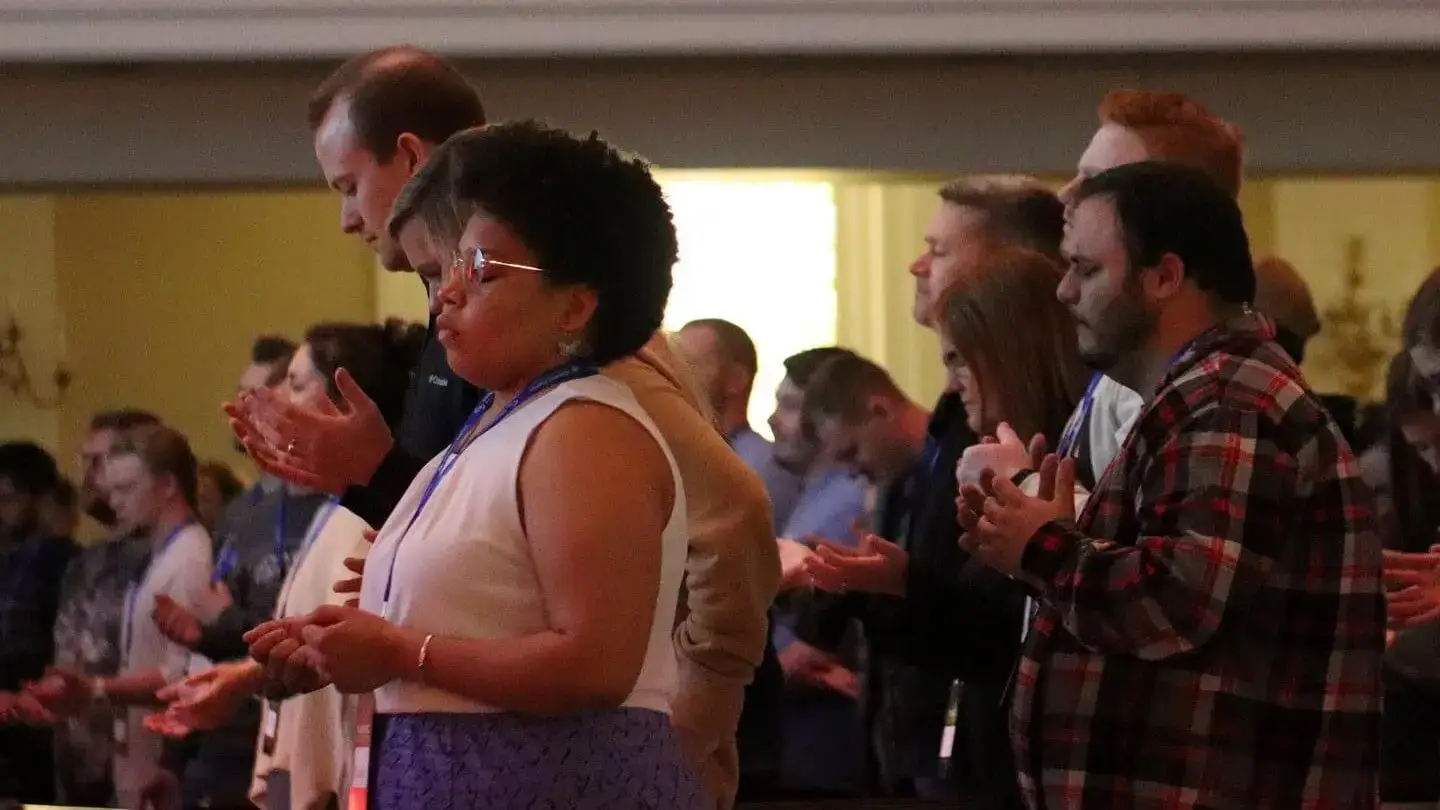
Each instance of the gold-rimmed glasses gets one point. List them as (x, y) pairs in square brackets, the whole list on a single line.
[(473, 267)]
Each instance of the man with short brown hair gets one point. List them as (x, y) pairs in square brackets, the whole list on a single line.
[(975, 214)]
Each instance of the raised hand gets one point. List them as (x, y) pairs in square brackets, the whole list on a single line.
[(1004, 453), (175, 622), (1413, 579), (206, 700), (875, 566), (329, 449), (792, 563), (999, 520), (355, 565)]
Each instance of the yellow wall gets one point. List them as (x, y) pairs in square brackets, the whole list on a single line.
[(399, 295), (29, 292), (164, 292), (1257, 204), (152, 299), (880, 230), (1395, 219)]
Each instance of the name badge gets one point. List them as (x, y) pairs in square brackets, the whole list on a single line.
[(120, 734), (952, 718), (360, 772), (269, 727)]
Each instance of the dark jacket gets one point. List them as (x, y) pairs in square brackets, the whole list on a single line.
[(959, 620), (436, 407), (30, 576)]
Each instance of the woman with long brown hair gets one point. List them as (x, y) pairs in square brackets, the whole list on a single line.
[(1010, 352), (1009, 346)]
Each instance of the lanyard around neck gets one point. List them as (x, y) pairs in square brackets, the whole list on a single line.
[(132, 594), (471, 431)]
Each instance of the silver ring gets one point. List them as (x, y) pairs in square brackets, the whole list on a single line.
[(290, 448)]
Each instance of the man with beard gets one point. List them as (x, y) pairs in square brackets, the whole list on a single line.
[(1135, 125), (1210, 629)]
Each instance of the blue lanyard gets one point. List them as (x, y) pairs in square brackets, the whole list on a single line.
[(280, 530), (463, 439), (230, 555), (1082, 414), (931, 455), (1080, 420), (128, 628)]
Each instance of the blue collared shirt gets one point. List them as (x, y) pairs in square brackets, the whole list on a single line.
[(783, 486), (829, 506)]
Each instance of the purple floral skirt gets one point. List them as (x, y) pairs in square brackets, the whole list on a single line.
[(620, 759)]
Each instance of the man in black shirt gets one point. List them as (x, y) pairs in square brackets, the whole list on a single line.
[(375, 121)]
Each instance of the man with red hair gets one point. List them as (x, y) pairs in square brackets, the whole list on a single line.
[(1138, 125), (1135, 126)]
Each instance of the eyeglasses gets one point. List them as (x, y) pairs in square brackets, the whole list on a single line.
[(472, 267)]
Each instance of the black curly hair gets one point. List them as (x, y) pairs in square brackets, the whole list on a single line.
[(591, 215)]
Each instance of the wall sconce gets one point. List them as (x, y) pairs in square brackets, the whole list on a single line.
[(15, 375)]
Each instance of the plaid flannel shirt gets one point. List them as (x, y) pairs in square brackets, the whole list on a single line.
[(1211, 630)]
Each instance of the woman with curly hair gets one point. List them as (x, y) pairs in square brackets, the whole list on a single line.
[(514, 629)]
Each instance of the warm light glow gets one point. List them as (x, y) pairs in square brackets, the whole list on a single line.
[(762, 255)]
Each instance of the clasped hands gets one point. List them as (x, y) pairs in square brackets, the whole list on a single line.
[(281, 655), (999, 520), (335, 645)]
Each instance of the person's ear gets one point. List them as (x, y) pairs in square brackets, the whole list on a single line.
[(1163, 281), (411, 151)]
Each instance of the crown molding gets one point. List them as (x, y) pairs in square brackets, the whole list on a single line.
[(137, 30)]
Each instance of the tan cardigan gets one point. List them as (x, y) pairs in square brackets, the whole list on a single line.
[(732, 569)]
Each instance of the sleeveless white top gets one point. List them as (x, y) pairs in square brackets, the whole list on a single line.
[(465, 569)]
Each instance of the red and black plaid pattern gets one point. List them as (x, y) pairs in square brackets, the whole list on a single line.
[(1211, 630)]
